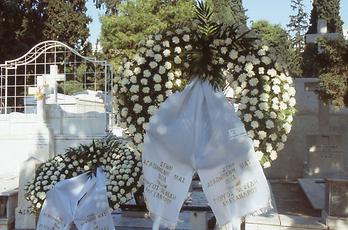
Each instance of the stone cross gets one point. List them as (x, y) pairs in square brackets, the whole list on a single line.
[(321, 33), (46, 84)]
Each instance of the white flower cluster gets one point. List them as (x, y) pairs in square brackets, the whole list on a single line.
[(145, 81), (120, 163), (266, 100), (264, 92)]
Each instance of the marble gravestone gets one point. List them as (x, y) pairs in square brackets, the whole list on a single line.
[(24, 218)]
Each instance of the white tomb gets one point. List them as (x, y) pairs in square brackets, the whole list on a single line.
[(42, 121)]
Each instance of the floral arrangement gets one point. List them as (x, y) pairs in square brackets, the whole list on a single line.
[(225, 56), (121, 165)]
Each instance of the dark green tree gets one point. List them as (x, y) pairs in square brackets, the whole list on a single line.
[(328, 10), (228, 11), (137, 19), (323, 9), (110, 6), (17, 34), (296, 28), (274, 36), (66, 21)]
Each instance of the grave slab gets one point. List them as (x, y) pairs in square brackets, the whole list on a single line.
[(314, 190), (8, 200)]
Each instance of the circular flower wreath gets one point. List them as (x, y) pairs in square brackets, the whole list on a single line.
[(121, 165), (166, 61)]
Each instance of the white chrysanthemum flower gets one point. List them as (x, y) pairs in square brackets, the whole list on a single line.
[(160, 98), (134, 98), (251, 134), (178, 82), (283, 106), (276, 81), (263, 106), (131, 129), (188, 47), (158, 37), (157, 87), (256, 143), (167, 65), (269, 124), (177, 60), (242, 77), (124, 112), (134, 89), (259, 114), (166, 52), (287, 128), (253, 81), (140, 120), (233, 54), (149, 43), (273, 136), (224, 50), (254, 124), (177, 73), (170, 76), (241, 59), (146, 90), (186, 38), (259, 155), (266, 60), (153, 64), (262, 135), (272, 72), (292, 91), (273, 155), (247, 117), (177, 50), (149, 53), (161, 70), (175, 40), (133, 79), (248, 67), (276, 89), (151, 110), (168, 93), (147, 99), (166, 44), (138, 138), (147, 73), (157, 48), (253, 101), (143, 81), (157, 78), (284, 138), (158, 57), (169, 85), (127, 73)]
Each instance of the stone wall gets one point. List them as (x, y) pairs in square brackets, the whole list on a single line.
[(292, 159)]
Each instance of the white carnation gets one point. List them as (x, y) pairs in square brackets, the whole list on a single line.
[(247, 117), (158, 57), (157, 87), (153, 64), (233, 54), (177, 60), (147, 73), (186, 38), (177, 50), (169, 85), (143, 81)]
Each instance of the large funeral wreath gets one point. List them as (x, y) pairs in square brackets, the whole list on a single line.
[(165, 62), (225, 56)]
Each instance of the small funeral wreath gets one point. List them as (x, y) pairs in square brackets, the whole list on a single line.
[(225, 56), (120, 164)]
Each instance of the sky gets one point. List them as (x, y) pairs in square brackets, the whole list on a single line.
[(275, 11)]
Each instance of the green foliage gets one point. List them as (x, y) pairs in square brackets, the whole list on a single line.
[(333, 74), (323, 9), (276, 37), (228, 12), (296, 28), (328, 10), (25, 23), (136, 20), (110, 6), (66, 21)]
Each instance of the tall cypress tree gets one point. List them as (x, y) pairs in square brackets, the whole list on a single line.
[(67, 21), (296, 28), (328, 10)]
